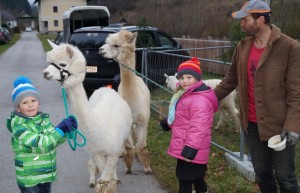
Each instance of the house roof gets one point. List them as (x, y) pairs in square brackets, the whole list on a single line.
[(6, 15)]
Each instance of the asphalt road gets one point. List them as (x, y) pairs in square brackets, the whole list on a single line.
[(27, 58)]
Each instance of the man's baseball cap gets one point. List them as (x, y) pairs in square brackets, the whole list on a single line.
[(253, 6)]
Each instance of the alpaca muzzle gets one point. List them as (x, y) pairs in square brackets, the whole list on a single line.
[(64, 74)]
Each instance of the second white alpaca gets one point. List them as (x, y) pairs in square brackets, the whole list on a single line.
[(121, 47), (226, 107)]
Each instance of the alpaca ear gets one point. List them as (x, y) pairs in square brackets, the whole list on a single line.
[(70, 51), (132, 38), (52, 44), (175, 74), (166, 76)]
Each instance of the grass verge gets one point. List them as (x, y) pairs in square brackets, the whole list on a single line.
[(43, 38)]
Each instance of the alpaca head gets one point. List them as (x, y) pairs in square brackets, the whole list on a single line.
[(171, 81), (119, 45), (67, 65)]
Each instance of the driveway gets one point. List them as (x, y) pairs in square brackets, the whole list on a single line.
[(27, 57)]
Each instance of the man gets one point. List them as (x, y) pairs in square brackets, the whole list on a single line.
[(266, 71)]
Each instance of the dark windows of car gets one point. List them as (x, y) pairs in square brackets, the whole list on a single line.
[(145, 39), (165, 41), (90, 40)]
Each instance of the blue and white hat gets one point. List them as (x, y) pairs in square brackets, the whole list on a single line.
[(23, 88)]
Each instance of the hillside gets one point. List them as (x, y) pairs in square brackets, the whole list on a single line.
[(197, 18)]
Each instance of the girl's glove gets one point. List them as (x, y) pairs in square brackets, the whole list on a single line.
[(164, 124)]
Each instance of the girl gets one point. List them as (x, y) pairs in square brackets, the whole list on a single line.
[(190, 118)]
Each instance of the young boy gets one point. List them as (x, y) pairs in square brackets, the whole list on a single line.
[(34, 139), (190, 118)]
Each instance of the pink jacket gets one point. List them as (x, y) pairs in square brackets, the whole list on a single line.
[(191, 129)]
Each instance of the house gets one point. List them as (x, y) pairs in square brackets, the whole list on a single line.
[(51, 13), (7, 19), (24, 21)]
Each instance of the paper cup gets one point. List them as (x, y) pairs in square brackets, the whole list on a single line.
[(276, 143)]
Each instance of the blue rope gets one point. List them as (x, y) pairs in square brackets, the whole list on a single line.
[(72, 135)]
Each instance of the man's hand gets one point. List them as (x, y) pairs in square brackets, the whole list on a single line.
[(292, 138)]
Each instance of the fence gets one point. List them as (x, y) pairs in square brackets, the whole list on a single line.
[(157, 63), (208, 50)]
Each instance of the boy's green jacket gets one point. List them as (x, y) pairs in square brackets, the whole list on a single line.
[(34, 141)]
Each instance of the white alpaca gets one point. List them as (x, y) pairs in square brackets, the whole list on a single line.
[(226, 107), (171, 82), (105, 119), (121, 47)]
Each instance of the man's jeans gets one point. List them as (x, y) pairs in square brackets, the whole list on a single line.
[(266, 161), (40, 188)]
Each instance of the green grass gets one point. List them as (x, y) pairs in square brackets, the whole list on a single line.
[(43, 38), (14, 39)]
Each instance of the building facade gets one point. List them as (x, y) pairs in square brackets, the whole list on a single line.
[(51, 13)]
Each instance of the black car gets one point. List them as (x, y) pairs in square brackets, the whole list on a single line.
[(102, 71), (5, 34), (59, 38)]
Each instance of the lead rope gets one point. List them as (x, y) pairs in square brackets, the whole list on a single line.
[(72, 135)]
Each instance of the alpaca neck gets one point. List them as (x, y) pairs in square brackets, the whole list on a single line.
[(79, 102), (127, 75)]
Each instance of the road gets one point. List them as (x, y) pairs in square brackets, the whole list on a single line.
[(27, 58)]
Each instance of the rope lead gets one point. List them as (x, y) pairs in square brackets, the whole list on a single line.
[(72, 135)]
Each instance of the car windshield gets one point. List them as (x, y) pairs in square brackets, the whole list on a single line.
[(91, 40)]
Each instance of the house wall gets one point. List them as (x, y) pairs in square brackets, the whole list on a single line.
[(47, 14)]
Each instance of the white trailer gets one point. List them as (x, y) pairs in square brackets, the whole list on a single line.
[(84, 16)]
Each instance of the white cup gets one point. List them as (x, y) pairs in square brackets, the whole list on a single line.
[(276, 143)]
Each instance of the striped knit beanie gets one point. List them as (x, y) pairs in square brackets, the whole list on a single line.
[(192, 67), (23, 88)]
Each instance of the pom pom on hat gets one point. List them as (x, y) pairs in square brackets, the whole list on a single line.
[(23, 88), (192, 67)]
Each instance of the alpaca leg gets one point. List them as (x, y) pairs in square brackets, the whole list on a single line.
[(141, 147), (221, 118), (128, 154), (99, 162), (93, 170), (106, 182), (115, 176)]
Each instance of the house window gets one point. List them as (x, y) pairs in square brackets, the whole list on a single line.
[(56, 23), (55, 9)]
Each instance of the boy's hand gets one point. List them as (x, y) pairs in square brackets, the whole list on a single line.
[(74, 122), (65, 125)]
